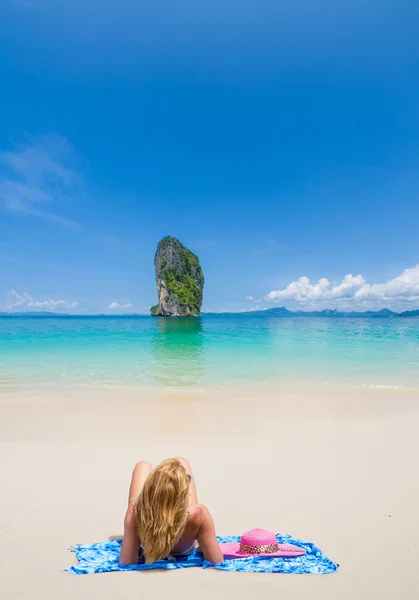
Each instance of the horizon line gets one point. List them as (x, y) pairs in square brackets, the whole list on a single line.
[(324, 312)]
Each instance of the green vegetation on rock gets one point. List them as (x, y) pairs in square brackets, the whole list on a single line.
[(154, 309), (179, 279), (185, 288)]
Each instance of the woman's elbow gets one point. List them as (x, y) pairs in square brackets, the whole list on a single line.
[(127, 558)]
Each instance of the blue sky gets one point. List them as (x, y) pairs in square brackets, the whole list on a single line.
[(277, 140)]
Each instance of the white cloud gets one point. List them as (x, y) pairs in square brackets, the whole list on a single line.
[(39, 178), (16, 302), (117, 306), (352, 290)]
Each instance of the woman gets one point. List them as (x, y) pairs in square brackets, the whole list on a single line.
[(164, 516)]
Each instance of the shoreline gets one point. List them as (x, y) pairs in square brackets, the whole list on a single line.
[(10, 385)]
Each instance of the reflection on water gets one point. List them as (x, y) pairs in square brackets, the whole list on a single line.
[(178, 349)]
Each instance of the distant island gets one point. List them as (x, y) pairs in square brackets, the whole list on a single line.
[(179, 279), (385, 313)]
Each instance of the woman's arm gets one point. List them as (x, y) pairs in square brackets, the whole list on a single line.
[(206, 538), (141, 471), (130, 548)]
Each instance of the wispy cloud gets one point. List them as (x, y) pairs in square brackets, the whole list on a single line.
[(117, 306), (246, 310), (39, 178), (403, 289), (16, 302)]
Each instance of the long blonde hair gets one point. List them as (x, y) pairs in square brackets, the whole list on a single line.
[(161, 509)]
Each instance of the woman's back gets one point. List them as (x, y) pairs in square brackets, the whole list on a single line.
[(164, 516)]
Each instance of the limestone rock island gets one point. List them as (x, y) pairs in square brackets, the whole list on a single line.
[(179, 278)]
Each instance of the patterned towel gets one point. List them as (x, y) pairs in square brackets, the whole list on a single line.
[(103, 557)]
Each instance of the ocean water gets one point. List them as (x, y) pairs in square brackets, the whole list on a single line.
[(210, 351)]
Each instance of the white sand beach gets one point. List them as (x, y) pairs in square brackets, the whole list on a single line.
[(336, 467)]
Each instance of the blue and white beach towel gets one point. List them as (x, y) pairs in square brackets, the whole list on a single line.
[(104, 557)]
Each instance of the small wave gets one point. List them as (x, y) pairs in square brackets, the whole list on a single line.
[(381, 386)]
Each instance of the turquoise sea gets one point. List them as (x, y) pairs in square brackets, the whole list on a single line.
[(210, 351)]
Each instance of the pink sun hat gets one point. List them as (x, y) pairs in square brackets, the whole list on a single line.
[(259, 542)]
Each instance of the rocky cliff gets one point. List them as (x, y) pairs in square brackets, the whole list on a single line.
[(179, 278)]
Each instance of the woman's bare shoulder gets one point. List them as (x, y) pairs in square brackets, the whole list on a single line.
[(198, 513)]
